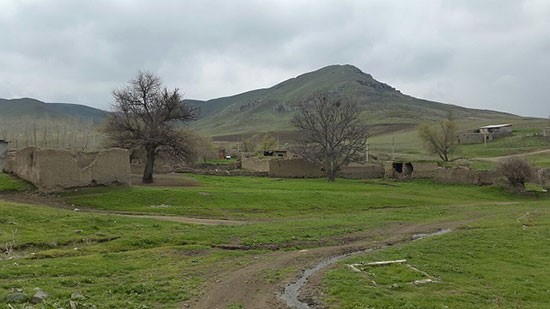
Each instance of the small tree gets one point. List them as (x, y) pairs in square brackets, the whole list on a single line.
[(440, 140), (332, 133), (145, 115), (517, 171)]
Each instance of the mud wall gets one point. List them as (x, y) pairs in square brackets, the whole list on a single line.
[(255, 164), (362, 171), (544, 178), (424, 170), (53, 170), (467, 176), (294, 168), (3, 152), (475, 138)]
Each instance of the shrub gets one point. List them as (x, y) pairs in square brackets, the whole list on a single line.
[(516, 170)]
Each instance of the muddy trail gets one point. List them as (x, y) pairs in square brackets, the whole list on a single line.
[(291, 295), (51, 201), (300, 288)]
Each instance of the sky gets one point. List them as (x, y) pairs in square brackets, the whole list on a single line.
[(488, 54)]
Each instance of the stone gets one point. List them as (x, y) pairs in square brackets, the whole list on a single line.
[(77, 296), (73, 304), (39, 296), (16, 297)]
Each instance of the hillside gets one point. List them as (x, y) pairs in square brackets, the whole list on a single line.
[(270, 109), (33, 108)]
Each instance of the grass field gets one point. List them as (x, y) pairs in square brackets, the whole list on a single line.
[(501, 261), (125, 262)]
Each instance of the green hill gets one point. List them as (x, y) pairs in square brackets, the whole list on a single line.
[(271, 109), (32, 108)]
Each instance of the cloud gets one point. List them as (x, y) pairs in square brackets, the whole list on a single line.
[(484, 54)]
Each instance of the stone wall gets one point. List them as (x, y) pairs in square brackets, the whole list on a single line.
[(53, 170), (294, 168), (3, 152), (255, 164)]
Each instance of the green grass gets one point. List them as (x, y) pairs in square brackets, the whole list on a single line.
[(220, 161), (540, 160), (482, 165), (9, 183), (268, 198), (515, 144), (108, 258), (498, 262), (393, 274)]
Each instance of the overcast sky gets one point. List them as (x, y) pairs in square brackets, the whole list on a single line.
[(491, 54)]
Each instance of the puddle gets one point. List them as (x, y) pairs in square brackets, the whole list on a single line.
[(292, 291), (420, 236)]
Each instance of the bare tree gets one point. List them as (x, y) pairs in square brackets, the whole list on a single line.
[(332, 133), (145, 115), (440, 140)]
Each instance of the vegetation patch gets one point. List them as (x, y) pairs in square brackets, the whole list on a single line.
[(10, 183)]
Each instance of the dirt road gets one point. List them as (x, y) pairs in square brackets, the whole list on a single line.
[(54, 202)]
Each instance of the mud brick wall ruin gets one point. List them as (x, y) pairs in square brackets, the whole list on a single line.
[(544, 178), (3, 152), (362, 171), (53, 170), (294, 168), (255, 164)]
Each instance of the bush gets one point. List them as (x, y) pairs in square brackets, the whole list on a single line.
[(516, 170)]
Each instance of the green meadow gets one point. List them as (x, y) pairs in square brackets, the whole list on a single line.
[(496, 257)]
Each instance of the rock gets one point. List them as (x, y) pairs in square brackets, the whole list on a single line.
[(72, 304), (16, 297), (39, 296), (77, 296)]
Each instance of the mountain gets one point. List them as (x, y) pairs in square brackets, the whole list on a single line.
[(271, 109), (33, 108)]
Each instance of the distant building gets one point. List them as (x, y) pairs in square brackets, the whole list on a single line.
[(275, 153), (484, 134), (497, 129)]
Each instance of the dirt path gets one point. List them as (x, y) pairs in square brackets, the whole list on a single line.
[(56, 202), (247, 286), (496, 159)]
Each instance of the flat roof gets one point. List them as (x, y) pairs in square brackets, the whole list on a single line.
[(492, 126)]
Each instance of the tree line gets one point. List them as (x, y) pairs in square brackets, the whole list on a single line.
[(74, 133)]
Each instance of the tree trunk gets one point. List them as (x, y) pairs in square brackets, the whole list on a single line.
[(331, 171), (149, 165)]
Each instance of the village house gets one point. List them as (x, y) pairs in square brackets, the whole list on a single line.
[(484, 134)]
